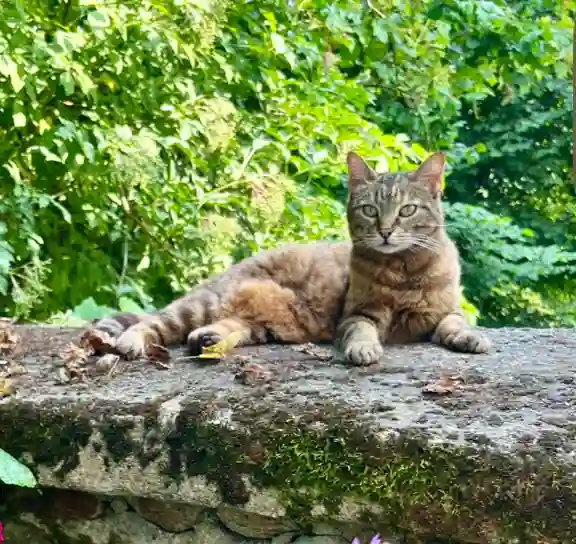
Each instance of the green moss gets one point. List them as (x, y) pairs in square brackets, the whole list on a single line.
[(424, 491), (53, 436), (441, 492)]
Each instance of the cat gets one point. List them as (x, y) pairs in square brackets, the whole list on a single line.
[(396, 281)]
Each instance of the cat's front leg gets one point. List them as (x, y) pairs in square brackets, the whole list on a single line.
[(456, 334), (358, 339)]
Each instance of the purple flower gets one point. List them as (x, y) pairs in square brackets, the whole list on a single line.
[(375, 540)]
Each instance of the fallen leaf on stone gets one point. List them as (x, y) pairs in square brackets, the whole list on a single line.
[(158, 355), (252, 373), (76, 371), (444, 385), (73, 354), (9, 339), (220, 349), (97, 341), (6, 388), (74, 358)]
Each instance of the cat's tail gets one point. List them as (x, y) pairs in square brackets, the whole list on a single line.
[(133, 333)]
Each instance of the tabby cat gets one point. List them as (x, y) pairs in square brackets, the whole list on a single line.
[(397, 281)]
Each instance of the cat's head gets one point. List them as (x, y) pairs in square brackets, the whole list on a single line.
[(395, 212)]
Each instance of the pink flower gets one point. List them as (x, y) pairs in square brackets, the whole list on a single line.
[(1, 532)]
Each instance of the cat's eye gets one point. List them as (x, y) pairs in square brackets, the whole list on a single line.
[(369, 211), (408, 210)]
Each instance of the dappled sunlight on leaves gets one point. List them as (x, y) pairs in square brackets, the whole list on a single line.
[(149, 145)]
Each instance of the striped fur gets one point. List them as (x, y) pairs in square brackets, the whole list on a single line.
[(404, 277), (293, 295), (397, 281)]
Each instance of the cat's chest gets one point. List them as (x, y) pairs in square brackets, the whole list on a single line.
[(419, 294), (399, 298)]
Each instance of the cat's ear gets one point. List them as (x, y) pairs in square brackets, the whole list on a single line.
[(431, 171), (359, 173)]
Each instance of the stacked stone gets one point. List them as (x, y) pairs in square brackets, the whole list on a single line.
[(75, 517)]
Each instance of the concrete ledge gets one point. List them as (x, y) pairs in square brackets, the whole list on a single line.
[(426, 444)]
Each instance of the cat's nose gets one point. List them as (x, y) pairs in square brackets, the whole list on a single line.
[(386, 233)]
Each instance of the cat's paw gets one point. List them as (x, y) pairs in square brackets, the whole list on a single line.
[(363, 353), (468, 341), (133, 343), (202, 338)]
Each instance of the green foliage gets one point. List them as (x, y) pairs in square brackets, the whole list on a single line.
[(13, 472), (507, 262), (137, 155), (147, 145)]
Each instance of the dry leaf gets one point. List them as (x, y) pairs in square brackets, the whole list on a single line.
[(6, 388), (73, 354), (251, 373), (99, 342), (445, 385), (74, 358), (8, 337), (158, 355), (220, 349)]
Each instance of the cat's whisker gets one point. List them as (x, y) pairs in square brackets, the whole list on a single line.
[(431, 247), (426, 244)]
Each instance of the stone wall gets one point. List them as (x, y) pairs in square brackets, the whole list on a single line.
[(51, 516), (280, 444)]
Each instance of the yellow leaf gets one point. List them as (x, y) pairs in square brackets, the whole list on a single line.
[(220, 349), (6, 388)]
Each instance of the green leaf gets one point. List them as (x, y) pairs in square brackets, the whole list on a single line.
[(48, 155), (278, 43), (13, 472), (144, 264), (126, 304), (19, 120), (88, 309), (9, 69), (97, 19), (3, 285), (67, 82), (14, 171), (124, 132), (6, 258)]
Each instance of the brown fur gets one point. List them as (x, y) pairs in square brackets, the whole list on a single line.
[(398, 281)]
